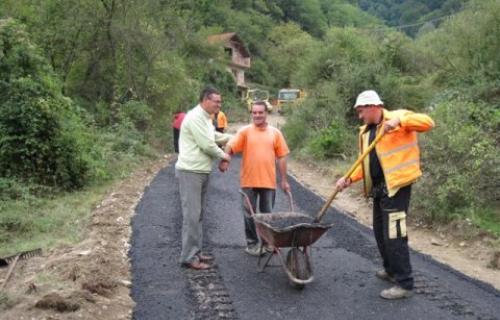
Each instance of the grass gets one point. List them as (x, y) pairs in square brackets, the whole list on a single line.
[(43, 223), (6, 301), (31, 222), (488, 220)]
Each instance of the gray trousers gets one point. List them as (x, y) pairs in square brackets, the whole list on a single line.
[(192, 189)]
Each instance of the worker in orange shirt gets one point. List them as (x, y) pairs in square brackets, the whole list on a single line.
[(220, 121), (262, 146), (388, 173)]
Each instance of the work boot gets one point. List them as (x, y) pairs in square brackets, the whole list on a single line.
[(383, 275), (395, 293)]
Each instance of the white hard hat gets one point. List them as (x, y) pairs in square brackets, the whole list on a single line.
[(368, 97)]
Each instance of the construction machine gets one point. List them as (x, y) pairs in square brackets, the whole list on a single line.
[(253, 95), (288, 98)]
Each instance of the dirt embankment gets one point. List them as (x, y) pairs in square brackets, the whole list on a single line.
[(90, 280)]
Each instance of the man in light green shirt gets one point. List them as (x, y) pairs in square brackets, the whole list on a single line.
[(198, 148)]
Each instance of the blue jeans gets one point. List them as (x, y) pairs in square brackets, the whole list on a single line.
[(265, 198)]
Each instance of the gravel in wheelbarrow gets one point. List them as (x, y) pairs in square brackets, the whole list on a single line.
[(284, 221)]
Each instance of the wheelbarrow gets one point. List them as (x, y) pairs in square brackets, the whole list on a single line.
[(293, 230), (297, 236)]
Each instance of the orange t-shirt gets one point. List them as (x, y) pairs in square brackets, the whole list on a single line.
[(260, 148)]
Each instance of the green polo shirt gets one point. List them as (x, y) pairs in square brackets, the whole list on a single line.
[(198, 142)]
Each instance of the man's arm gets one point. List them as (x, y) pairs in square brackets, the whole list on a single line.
[(411, 121), (224, 164), (282, 167), (222, 138), (416, 122), (344, 182), (201, 136)]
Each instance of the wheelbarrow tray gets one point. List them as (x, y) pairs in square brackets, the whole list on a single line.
[(297, 235)]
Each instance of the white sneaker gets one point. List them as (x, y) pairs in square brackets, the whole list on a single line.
[(383, 275), (395, 293), (254, 250)]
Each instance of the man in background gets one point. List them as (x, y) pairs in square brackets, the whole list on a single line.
[(220, 121)]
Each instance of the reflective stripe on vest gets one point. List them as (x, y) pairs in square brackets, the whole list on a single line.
[(401, 165), (400, 148)]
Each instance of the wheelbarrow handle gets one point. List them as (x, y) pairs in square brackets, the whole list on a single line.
[(247, 202), (348, 174), (290, 199)]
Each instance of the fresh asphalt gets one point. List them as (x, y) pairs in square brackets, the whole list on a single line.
[(344, 262)]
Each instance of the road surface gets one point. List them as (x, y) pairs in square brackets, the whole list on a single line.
[(344, 262)]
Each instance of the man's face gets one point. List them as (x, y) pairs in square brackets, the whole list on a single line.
[(259, 114), (369, 114), (212, 103)]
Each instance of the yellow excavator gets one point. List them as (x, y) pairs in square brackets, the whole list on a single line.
[(288, 98)]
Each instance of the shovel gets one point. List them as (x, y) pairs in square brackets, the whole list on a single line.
[(348, 174)]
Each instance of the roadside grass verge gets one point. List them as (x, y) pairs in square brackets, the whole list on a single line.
[(53, 220), (479, 221), (45, 222)]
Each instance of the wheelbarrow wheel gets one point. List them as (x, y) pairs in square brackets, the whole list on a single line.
[(298, 266)]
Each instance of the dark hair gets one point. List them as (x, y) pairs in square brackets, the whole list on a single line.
[(260, 103), (207, 91)]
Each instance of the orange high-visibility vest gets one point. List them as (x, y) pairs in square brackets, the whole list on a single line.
[(221, 121), (397, 151)]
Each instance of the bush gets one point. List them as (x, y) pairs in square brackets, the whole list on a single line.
[(319, 125), (136, 112), (461, 162), (39, 128), (333, 141), (115, 150)]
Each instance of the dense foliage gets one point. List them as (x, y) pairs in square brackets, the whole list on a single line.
[(411, 13), (40, 131), (87, 86)]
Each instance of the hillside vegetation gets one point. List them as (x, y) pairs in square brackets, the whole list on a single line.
[(87, 90)]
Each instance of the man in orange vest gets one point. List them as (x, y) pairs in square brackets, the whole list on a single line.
[(388, 173), (220, 121)]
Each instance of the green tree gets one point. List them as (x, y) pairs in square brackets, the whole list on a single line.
[(41, 135), (287, 47)]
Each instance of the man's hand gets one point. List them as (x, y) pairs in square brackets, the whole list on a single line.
[(391, 124), (227, 157), (223, 165), (285, 186), (343, 183)]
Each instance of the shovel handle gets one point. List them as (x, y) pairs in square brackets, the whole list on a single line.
[(348, 174)]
